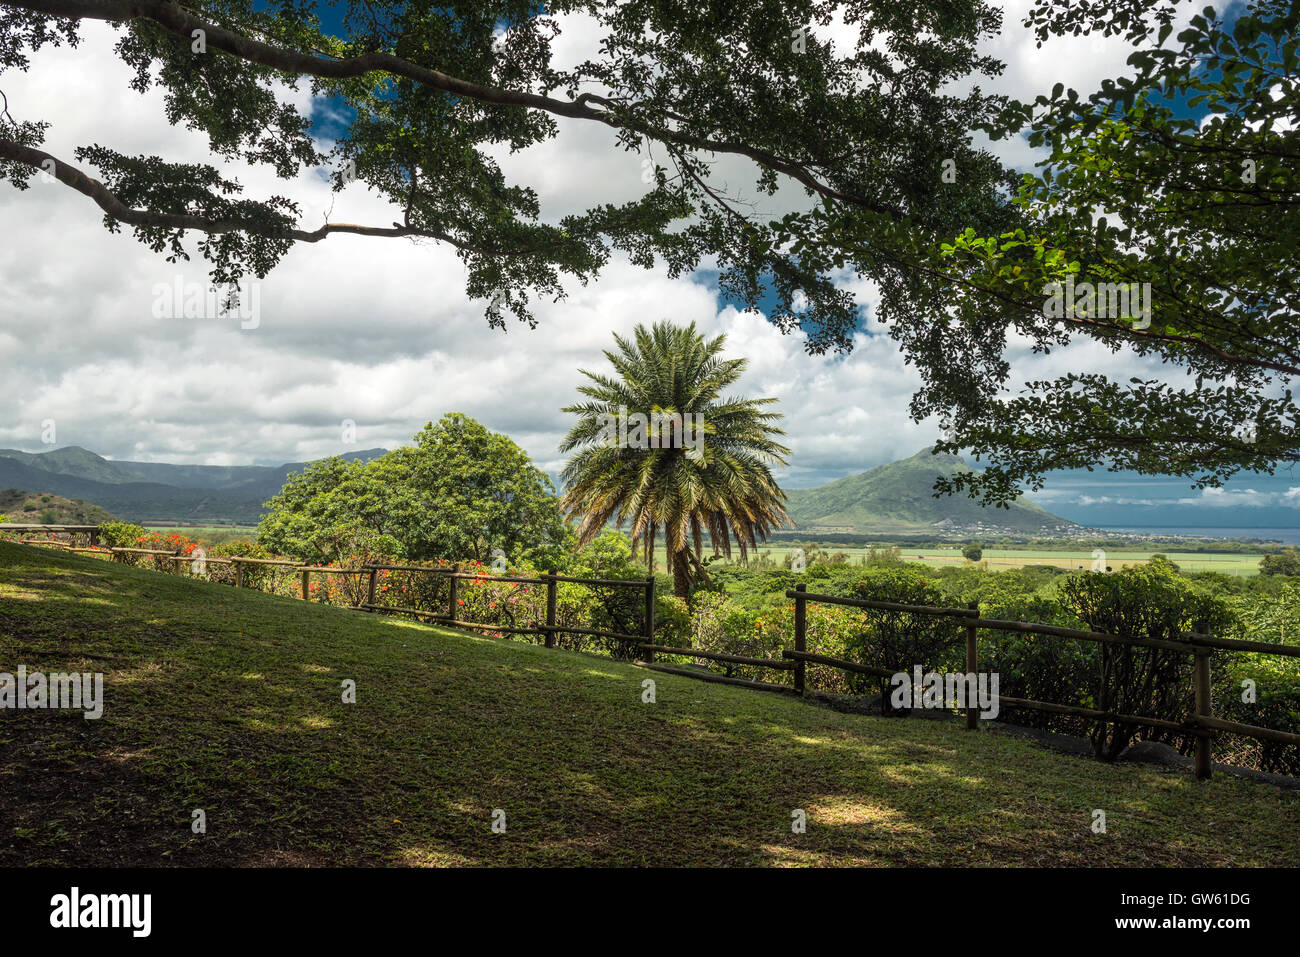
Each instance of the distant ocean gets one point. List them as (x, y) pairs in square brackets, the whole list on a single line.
[(1287, 536)]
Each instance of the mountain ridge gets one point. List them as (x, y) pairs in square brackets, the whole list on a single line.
[(140, 492), (892, 498)]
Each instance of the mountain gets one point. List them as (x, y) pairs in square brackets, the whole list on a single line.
[(890, 499), (898, 498), (233, 478), (76, 462), (150, 491)]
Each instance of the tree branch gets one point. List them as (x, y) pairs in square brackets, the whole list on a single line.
[(69, 175), (177, 20)]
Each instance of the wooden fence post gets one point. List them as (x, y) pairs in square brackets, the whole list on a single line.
[(800, 635), (239, 572), (1204, 708), (649, 616), (552, 595), (451, 592), (370, 589), (972, 666), (305, 576)]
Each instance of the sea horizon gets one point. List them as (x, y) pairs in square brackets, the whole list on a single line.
[(1286, 536)]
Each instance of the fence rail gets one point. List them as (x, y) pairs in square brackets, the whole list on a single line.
[(55, 529)]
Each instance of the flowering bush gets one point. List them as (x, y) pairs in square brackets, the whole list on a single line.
[(410, 589), (507, 604)]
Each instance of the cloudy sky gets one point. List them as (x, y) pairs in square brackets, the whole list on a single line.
[(380, 332)]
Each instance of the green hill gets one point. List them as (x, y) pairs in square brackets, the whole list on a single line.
[(898, 498), (229, 700), (44, 508)]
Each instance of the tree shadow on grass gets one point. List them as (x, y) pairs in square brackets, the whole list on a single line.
[(231, 702)]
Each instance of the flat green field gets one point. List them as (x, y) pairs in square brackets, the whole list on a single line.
[(198, 530), (212, 534), (228, 700), (1227, 563)]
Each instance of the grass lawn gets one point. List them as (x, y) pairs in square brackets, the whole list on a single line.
[(230, 701)]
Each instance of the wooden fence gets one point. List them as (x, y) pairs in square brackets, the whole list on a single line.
[(1201, 722), (548, 629), (89, 532)]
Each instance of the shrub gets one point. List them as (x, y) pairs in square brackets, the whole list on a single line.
[(900, 640), (1057, 670), (412, 589), (884, 556), (721, 625), (608, 555), (1273, 617), (972, 552), (510, 604), (262, 577), (1285, 563), (672, 620), (1148, 601), (120, 534), (1276, 706)]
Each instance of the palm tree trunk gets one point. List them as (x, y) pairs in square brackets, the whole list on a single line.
[(681, 567)]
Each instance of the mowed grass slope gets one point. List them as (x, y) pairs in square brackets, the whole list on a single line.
[(230, 701)]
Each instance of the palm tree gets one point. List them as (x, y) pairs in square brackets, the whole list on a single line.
[(706, 471)]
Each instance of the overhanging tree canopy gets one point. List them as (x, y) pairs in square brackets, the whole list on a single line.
[(433, 85), (874, 136), (1182, 182)]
